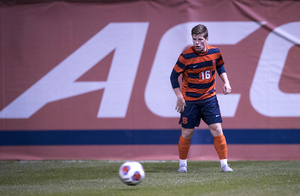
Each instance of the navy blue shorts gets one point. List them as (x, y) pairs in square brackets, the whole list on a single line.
[(208, 110)]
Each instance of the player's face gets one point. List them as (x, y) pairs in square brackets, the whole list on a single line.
[(200, 43)]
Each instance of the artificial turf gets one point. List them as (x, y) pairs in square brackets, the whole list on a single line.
[(95, 177)]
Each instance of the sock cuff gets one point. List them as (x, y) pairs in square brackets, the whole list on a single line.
[(184, 139), (219, 137)]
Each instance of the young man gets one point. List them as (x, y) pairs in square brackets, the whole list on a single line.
[(197, 100)]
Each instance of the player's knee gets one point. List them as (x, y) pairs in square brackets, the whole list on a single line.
[(187, 133), (216, 129)]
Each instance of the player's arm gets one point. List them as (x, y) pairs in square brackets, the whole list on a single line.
[(180, 100), (224, 78), (176, 87)]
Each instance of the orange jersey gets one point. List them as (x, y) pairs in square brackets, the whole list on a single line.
[(199, 72)]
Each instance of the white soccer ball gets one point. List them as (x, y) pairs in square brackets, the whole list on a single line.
[(131, 173)]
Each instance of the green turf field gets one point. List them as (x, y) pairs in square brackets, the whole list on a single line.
[(101, 178)]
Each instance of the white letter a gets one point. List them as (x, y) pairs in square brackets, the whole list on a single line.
[(127, 39)]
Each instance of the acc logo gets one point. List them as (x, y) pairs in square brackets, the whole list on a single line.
[(60, 82)]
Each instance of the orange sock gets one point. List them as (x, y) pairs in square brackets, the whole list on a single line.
[(221, 146), (183, 147)]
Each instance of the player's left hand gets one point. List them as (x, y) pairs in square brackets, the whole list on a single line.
[(226, 88)]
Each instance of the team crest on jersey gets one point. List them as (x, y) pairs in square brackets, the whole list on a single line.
[(214, 62)]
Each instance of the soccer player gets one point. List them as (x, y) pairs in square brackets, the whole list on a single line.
[(197, 100)]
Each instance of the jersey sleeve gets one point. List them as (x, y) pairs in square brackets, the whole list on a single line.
[(177, 70), (174, 79), (220, 69), (220, 64)]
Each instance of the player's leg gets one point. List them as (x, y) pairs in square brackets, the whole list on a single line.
[(189, 119), (212, 116), (183, 148), (220, 145)]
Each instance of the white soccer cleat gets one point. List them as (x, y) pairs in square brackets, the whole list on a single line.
[(226, 169), (182, 168)]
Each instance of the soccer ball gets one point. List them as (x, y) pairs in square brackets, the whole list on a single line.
[(131, 173)]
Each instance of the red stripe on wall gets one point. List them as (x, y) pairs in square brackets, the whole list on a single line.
[(149, 152)]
